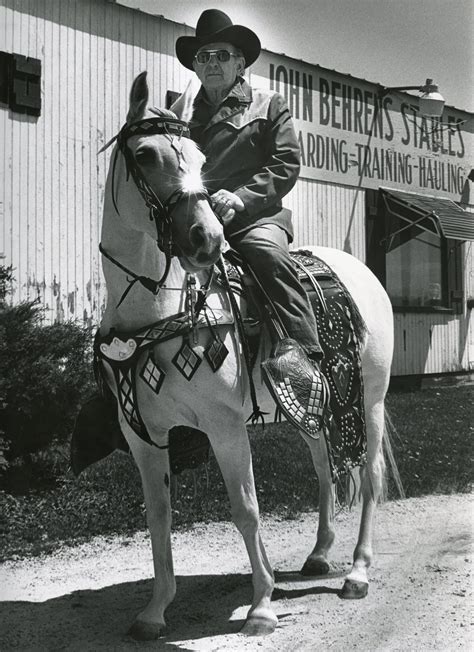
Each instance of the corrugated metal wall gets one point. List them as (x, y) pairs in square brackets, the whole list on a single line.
[(53, 178), (328, 214), (54, 181)]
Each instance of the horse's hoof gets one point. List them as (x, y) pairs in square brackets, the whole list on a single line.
[(315, 567), (354, 590), (143, 631), (260, 622)]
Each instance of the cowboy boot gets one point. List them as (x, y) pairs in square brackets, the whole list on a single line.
[(298, 387)]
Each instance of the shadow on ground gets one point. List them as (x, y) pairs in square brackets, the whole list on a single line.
[(99, 619)]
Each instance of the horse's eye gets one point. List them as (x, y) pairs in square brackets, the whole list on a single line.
[(145, 155)]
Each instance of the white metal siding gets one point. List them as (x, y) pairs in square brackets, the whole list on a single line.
[(53, 180), (328, 214)]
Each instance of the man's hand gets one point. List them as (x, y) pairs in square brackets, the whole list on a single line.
[(226, 204)]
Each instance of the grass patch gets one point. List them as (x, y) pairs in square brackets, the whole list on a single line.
[(434, 442), (42, 505)]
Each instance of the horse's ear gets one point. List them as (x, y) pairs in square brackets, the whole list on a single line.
[(138, 98), (183, 106)]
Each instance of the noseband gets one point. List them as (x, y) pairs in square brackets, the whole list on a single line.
[(160, 211)]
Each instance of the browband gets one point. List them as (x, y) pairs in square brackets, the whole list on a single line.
[(159, 125), (147, 127)]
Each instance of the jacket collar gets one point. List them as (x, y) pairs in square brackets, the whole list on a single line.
[(239, 95), (240, 91)]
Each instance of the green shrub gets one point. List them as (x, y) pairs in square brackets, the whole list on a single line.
[(46, 373)]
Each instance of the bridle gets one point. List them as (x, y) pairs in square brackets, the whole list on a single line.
[(160, 211), (161, 214)]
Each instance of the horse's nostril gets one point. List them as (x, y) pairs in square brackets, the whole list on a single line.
[(196, 236)]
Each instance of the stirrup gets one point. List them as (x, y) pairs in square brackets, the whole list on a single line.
[(298, 387)]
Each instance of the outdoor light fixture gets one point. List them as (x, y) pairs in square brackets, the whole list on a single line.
[(431, 100)]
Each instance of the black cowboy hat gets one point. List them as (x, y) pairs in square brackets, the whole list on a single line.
[(215, 26)]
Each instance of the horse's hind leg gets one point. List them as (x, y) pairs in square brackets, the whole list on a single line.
[(356, 584), (317, 562), (234, 458), (153, 465)]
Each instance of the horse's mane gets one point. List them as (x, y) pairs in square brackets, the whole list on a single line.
[(162, 113)]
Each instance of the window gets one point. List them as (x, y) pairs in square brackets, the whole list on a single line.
[(415, 271), (419, 267)]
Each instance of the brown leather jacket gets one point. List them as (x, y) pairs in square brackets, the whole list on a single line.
[(251, 149)]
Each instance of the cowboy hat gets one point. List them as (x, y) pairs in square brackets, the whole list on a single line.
[(215, 26)]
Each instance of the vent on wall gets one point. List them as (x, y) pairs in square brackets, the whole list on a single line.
[(20, 83)]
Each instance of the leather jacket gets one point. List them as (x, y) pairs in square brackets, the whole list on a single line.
[(251, 149)]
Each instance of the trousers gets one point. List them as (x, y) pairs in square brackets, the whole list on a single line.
[(265, 249)]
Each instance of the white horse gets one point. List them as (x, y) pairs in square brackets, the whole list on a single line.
[(212, 402)]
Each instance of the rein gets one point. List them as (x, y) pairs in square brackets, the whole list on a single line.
[(149, 283), (160, 211)]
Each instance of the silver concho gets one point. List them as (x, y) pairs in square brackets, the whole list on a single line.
[(118, 349)]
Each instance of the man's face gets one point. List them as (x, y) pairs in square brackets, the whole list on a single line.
[(215, 74)]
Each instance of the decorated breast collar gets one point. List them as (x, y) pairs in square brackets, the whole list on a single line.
[(122, 351)]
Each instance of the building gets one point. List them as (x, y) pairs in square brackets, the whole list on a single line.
[(379, 180)]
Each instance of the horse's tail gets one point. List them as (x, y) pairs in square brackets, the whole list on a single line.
[(389, 433), (378, 476)]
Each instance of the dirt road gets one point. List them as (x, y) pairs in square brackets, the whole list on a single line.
[(420, 597)]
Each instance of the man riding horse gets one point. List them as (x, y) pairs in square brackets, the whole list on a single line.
[(252, 162), (165, 315)]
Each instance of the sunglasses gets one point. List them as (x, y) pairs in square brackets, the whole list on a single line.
[(221, 55)]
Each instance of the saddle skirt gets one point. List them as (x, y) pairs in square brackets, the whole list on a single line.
[(341, 332)]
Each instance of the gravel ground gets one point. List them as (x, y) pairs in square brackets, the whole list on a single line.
[(420, 597)]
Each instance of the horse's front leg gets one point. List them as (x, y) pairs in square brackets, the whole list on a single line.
[(153, 464), (234, 458), (317, 563)]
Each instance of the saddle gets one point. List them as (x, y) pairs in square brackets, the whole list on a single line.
[(340, 328), (288, 373)]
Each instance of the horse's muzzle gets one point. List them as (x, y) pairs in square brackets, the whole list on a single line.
[(203, 248), (202, 260)]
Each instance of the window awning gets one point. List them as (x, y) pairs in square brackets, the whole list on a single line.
[(434, 214)]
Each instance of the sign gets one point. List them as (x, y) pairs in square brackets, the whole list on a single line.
[(349, 134)]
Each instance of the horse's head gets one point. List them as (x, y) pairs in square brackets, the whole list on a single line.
[(165, 165)]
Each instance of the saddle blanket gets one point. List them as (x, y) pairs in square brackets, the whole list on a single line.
[(341, 330)]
